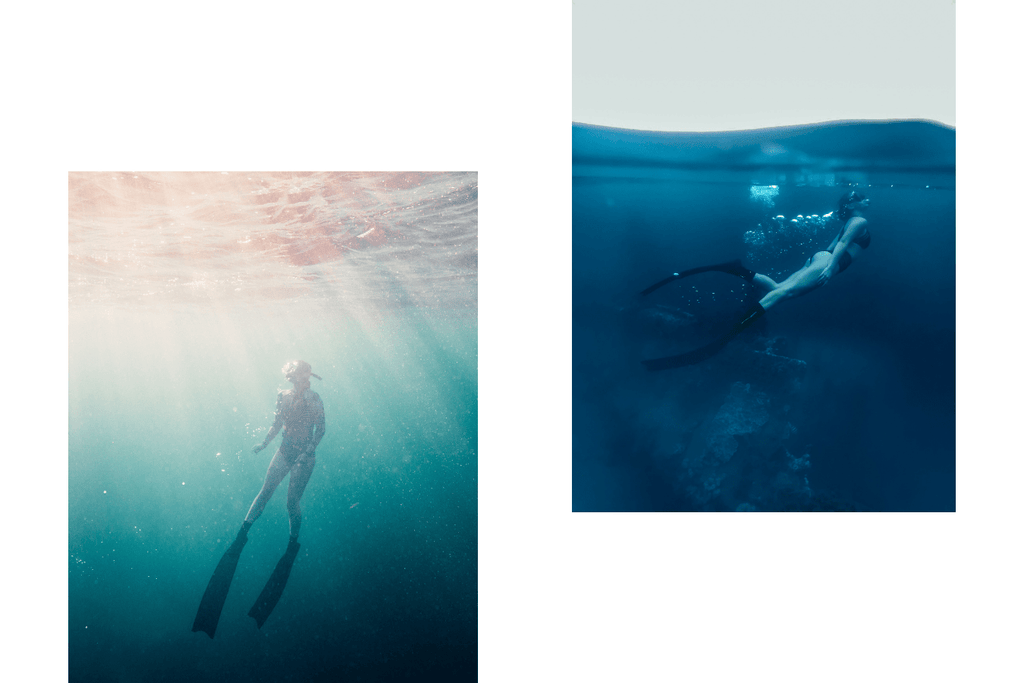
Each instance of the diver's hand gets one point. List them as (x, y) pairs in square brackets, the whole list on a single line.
[(825, 275), (259, 447)]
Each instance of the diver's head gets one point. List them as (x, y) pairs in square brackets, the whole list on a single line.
[(850, 202), (298, 372)]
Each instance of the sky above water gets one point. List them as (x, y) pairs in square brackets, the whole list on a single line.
[(738, 64)]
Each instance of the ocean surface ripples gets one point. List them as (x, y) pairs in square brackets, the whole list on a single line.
[(382, 239)]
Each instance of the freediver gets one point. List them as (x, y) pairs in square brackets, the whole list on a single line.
[(853, 238), (300, 413)]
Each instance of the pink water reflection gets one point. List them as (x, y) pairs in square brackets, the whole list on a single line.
[(142, 234)]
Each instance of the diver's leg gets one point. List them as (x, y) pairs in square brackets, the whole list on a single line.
[(765, 282), (775, 296), (275, 475), (296, 485), (799, 283)]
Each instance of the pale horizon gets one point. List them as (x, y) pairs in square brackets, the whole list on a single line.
[(740, 65)]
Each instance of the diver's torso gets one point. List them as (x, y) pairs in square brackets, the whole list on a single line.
[(854, 248), (300, 416)]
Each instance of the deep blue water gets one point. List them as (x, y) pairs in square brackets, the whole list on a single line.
[(188, 294), (843, 399)]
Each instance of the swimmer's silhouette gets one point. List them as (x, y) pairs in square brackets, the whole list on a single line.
[(852, 239), (300, 412)]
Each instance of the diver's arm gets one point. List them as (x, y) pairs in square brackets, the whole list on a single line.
[(832, 246), (320, 427), (831, 251), (855, 228), (278, 423)]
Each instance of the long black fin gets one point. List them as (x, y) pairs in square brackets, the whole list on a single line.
[(268, 599), (212, 603), (732, 268), (708, 350), (688, 358)]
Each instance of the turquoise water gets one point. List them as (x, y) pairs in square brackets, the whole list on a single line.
[(176, 347)]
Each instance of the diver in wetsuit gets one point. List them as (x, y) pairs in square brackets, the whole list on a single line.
[(853, 238), (300, 412)]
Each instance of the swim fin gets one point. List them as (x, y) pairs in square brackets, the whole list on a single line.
[(217, 590), (732, 268), (275, 586), (708, 350)]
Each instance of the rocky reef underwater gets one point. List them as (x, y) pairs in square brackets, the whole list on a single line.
[(727, 432)]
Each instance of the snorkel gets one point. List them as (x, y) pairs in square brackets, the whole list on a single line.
[(299, 371)]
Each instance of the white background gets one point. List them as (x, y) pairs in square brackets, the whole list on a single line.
[(488, 87)]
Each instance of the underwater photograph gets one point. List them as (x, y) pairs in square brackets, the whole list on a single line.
[(272, 438), (774, 313), (764, 320), (764, 256)]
